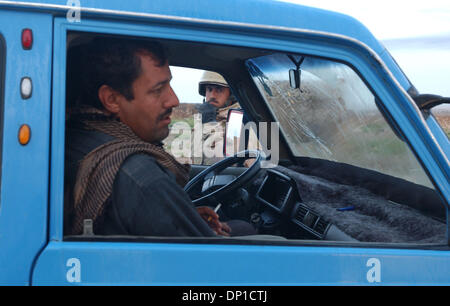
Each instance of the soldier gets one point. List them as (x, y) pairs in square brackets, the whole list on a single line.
[(218, 94), (218, 101)]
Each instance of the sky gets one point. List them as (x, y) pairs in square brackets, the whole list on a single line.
[(416, 33), (185, 84), (388, 19)]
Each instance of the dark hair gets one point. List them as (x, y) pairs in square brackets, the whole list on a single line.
[(114, 62)]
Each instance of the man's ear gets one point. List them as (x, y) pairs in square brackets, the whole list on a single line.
[(109, 98)]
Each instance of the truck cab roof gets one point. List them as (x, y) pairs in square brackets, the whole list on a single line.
[(252, 12)]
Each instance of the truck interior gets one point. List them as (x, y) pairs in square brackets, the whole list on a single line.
[(317, 192)]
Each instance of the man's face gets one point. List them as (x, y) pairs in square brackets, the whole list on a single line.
[(148, 114), (217, 95)]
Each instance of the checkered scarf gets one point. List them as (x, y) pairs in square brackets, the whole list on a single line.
[(97, 171)]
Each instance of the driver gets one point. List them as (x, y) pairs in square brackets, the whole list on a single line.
[(117, 172)]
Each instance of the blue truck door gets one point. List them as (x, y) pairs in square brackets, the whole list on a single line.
[(24, 176), (159, 262)]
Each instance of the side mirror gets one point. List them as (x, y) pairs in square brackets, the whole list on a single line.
[(232, 136), (427, 102)]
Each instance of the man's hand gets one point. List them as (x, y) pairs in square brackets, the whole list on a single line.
[(249, 162), (212, 218)]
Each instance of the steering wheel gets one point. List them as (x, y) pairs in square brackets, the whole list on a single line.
[(212, 171)]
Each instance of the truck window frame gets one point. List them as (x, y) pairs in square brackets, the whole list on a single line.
[(56, 228), (2, 96)]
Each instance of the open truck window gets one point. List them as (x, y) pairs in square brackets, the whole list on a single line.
[(194, 122), (343, 173), (199, 123)]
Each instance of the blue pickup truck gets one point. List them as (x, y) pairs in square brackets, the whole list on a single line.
[(358, 193)]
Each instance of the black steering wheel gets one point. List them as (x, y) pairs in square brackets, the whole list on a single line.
[(212, 171)]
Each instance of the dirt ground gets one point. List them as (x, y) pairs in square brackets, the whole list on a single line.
[(444, 121)]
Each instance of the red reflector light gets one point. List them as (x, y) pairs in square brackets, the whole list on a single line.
[(27, 39)]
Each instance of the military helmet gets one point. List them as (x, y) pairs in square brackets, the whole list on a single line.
[(210, 78)]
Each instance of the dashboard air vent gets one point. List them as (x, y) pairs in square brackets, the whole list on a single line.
[(321, 226), (301, 213)]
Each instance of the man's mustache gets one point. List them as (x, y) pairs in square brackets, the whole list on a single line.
[(211, 100), (165, 114)]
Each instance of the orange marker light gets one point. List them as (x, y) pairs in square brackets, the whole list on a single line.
[(24, 134)]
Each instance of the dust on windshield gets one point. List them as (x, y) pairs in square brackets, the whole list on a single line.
[(333, 116)]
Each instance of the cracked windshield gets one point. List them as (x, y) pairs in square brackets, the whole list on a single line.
[(331, 114)]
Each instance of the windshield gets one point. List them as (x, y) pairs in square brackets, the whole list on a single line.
[(332, 116)]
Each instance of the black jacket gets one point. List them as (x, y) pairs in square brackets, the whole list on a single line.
[(146, 200)]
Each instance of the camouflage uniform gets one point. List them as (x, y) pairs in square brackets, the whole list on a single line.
[(213, 135), (213, 132)]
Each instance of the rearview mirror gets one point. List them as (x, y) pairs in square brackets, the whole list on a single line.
[(295, 74), (232, 142), (294, 78)]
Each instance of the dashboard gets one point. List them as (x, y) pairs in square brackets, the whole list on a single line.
[(296, 204), (272, 203), (279, 199)]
